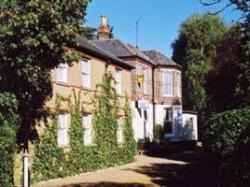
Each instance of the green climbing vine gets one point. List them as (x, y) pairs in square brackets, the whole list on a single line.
[(105, 121), (50, 161)]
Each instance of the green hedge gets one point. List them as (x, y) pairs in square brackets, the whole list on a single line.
[(227, 142), (158, 132), (8, 127), (50, 161)]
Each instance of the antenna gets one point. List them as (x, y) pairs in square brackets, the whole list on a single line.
[(137, 32)]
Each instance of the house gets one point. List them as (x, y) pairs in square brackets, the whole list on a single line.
[(156, 87), (84, 76), (141, 84), (167, 94)]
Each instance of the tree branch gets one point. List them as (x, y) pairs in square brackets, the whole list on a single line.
[(209, 4), (221, 10)]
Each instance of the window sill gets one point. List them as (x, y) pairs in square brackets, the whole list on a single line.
[(86, 88), (167, 95), (63, 84)]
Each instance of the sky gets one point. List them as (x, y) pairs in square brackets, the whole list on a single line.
[(159, 20)]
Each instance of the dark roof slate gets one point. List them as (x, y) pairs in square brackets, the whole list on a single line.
[(160, 59), (120, 49), (92, 49)]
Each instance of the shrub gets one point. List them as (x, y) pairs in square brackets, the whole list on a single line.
[(158, 133), (8, 128), (227, 142)]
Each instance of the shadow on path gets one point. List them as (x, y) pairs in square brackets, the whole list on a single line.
[(195, 173), (108, 184)]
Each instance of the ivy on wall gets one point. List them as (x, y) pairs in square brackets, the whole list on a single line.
[(50, 161)]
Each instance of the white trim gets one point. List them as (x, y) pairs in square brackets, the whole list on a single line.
[(62, 73), (118, 81), (119, 131), (87, 125), (62, 133), (169, 83), (86, 73)]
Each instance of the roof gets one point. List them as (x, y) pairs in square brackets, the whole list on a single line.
[(92, 49), (160, 59), (121, 49)]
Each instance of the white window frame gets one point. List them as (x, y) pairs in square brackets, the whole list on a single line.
[(62, 133), (87, 126), (86, 73), (145, 83), (118, 81), (167, 83), (62, 73), (119, 131)]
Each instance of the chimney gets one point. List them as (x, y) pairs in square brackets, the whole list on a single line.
[(103, 29)]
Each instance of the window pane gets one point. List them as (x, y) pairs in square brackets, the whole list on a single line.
[(62, 73), (85, 67), (87, 135), (62, 134), (118, 81), (167, 83), (119, 131), (85, 74)]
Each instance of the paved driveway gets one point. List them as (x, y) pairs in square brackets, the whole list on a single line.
[(144, 172)]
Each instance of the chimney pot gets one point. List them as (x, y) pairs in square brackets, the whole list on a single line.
[(103, 29)]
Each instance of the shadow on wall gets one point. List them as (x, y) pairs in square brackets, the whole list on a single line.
[(109, 184)]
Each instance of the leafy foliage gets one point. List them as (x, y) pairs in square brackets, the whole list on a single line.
[(227, 142), (105, 119), (222, 81), (193, 49), (49, 160), (129, 147), (33, 36), (243, 79), (105, 151), (8, 127), (158, 133)]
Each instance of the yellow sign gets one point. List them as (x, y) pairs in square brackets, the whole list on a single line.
[(140, 78)]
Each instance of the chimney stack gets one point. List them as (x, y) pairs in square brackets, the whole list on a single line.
[(103, 29)]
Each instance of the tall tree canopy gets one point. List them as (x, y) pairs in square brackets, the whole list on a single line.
[(193, 49), (34, 35), (222, 81), (243, 88)]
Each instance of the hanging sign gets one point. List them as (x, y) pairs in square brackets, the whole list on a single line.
[(140, 78)]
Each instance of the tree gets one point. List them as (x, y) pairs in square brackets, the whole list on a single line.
[(193, 49), (222, 81), (34, 38), (243, 6)]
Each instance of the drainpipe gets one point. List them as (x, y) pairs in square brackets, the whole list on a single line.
[(25, 168), (153, 93)]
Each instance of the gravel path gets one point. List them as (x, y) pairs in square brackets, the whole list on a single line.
[(144, 172)]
